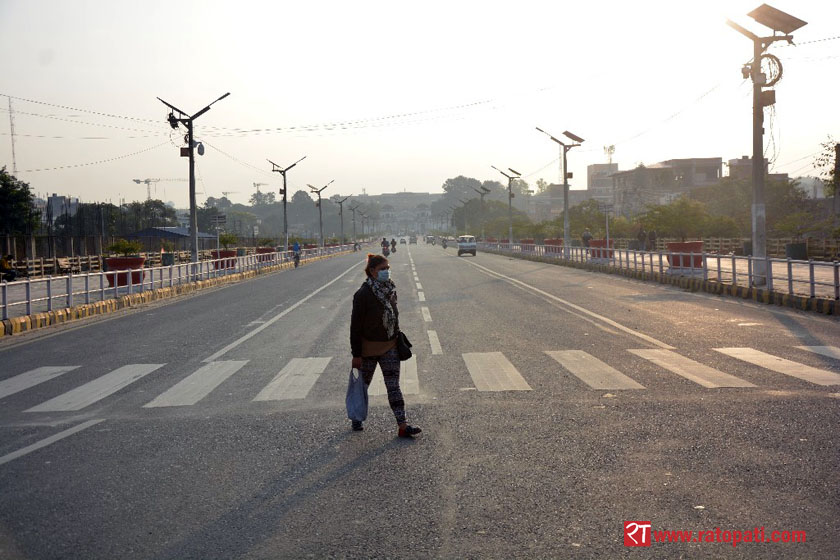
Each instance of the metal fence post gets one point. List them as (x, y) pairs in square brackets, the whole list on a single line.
[(734, 271), (87, 287), (705, 264), (790, 276), (28, 296), (3, 286), (101, 286), (749, 271), (769, 263), (49, 293), (69, 283), (661, 267), (718, 270), (811, 272)]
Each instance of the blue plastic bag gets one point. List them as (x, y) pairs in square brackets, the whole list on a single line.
[(357, 397)]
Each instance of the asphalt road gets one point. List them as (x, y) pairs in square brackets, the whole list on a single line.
[(552, 410)]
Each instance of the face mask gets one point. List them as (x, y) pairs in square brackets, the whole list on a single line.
[(384, 275)]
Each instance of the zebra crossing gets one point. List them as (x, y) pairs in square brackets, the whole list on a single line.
[(488, 371)]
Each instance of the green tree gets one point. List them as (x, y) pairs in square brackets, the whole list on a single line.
[(682, 218), (825, 163), (17, 214)]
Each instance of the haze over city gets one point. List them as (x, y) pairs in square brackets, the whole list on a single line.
[(388, 97)]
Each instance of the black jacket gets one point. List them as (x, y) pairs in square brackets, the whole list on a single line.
[(366, 320)]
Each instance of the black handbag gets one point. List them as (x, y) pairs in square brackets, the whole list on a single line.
[(403, 347)]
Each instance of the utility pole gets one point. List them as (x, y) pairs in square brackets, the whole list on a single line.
[(12, 135), (340, 201), (187, 120), (564, 173), (320, 214), (281, 170), (778, 21), (511, 179)]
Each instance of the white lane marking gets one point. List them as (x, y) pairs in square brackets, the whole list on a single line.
[(693, 371), (31, 378), (593, 371), (749, 324), (192, 389), (562, 301), (491, 371), (409, 383), (434, 342), (421, 296), (781, 365), (426, 315), (295, 380), (419, 286), (274, 319), (828, 351), (48, 441), (96, 390)]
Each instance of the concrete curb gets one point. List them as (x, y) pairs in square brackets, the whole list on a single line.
[(760, 295), (26, 323)]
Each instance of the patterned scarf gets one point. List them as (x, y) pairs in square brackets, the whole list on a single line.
[(386, 293)]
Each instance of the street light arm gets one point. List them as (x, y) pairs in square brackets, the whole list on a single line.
[(549, 135), (743, 31), (173, 107), (500, 171)]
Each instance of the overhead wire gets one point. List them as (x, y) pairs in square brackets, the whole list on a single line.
[(124, 156)]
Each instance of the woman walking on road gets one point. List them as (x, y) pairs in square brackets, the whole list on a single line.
[(374, 327)]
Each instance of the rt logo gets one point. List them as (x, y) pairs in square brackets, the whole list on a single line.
[(637, 533)]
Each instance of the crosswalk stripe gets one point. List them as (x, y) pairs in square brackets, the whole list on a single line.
[(96, 390), (409, 383), (593, 371), (295, 380), (434, 342), (828, 351), (419, 286), (781, 365), (31, 378), (49, 441), (426, 315), (192, 389), (693, 371), (491, 371), (421, 296)]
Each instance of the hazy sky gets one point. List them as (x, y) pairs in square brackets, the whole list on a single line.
[(387, 96)]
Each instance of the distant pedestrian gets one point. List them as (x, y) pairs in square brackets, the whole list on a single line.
[(642, 238), (374, 328), (651, 240), (586, 237), (7, 270)]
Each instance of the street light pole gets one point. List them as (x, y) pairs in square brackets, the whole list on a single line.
[(340, 201), (320, 213), (511, 179), (284, 191), (778, 21), (353, 210), (482, 193), (564, 148), (187, 121)]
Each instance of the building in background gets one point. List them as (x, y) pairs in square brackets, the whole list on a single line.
[(662, 183), (741, 169), (599, 181)]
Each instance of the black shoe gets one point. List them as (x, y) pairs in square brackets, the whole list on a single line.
[(409, 431), (357, 426)]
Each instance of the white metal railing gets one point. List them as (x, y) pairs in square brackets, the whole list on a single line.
[(811, 278), (33, 295)]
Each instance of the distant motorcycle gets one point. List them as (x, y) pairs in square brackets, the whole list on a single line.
[(443, 243), (385, 251), (297, 260)]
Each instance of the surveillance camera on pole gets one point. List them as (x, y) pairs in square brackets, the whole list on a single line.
[(187, 120), (779, 22)]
